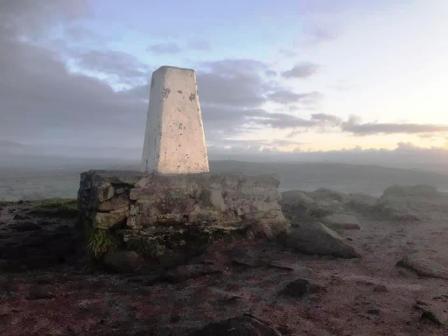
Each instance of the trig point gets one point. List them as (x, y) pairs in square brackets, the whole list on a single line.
[(174, 137), (173, 213)]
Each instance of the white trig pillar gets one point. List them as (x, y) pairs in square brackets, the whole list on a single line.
[(174, 137)]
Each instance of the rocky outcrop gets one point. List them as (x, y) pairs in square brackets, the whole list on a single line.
[(307, 211), (324, 204), (38, 234), (410, 203), (307, 205), (167, 218)]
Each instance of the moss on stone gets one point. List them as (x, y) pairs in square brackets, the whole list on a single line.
[(146, 247), (55, 207)]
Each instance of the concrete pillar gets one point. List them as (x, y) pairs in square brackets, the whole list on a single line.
[(174, 137)]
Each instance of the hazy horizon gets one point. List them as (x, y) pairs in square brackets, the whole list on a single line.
[(404, 156)]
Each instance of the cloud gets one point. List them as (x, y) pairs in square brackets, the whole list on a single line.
[(165, 48), (200, 45), (232, 83), (233, 92), (283, 120), (226, 121), (125, 67), (302, 70), (357, 128), (176, 48), (43, 102), (29, 16), (327, 119), (318, 34), (235, 147), (284, 96)]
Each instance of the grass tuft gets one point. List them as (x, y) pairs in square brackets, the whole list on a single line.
[(100, 242)]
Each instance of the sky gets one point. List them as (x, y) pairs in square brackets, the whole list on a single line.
[(286, 77)]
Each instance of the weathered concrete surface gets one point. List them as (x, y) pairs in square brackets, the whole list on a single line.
[(169, 217), (174, 138)]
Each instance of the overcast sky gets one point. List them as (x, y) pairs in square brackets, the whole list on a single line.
[(279, 76)]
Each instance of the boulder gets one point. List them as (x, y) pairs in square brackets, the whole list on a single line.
[(424, 266), (410, 203), (362, 203), (305, 206), (301, 205), (316, 238), (245, 325), (433, 312), (341, 222)]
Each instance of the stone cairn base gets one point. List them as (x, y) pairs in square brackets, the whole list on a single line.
[(162, 219)]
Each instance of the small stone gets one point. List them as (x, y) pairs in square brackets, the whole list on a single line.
[(380, 289), (296, 289), (115, 203), (123, 261), (373, 311), (105, 192), (107, 220), (40, 293)]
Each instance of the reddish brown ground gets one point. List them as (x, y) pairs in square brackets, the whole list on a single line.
[(366, 296)]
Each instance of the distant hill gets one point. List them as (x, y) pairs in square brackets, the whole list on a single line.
[(38, 179), (341, 177)]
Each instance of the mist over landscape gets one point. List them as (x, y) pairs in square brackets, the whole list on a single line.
[(55, 173), (37, 178)]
